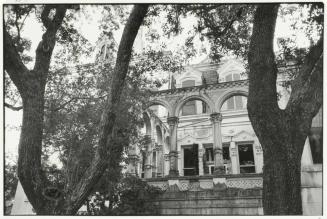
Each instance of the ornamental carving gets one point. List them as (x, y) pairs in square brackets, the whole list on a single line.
[(216, 117)]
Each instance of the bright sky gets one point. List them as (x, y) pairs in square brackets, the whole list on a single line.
[(89, 28)]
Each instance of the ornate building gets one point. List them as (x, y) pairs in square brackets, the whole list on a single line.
[(200, 138), (200, 125)]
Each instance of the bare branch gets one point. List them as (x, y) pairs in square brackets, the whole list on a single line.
[(23, 22), (15, 108)]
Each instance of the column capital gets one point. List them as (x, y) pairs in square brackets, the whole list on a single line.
[(133, 157), (173, 120), (216, 117), (158, 147)]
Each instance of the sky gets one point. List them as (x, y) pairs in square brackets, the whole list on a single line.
[(89, 29)]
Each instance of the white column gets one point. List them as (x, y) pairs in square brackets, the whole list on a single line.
[(216, 119), (173, 155), (147, 166), (233, 157)]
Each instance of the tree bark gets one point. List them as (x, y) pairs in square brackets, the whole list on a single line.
[(282, 133)]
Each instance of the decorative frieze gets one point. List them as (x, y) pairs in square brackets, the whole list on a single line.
[(244, 183), (208, 184)]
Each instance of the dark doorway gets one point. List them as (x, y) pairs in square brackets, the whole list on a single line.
[(191, 161)]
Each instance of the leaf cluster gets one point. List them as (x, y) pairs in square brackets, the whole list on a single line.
[(132, 196)]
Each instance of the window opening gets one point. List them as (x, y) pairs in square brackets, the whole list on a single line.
[(191, 162), (246, 158)]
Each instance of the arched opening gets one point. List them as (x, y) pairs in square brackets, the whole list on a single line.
[(159, 110), (194, 107), (147, 124), (233, 103)]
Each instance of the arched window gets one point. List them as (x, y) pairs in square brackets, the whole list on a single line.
[(194, 107), (159, 110), (234, 103)]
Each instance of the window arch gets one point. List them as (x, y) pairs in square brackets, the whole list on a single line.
[(234, 103), (147, 124)]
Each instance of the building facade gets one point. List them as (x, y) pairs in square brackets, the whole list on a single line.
[(200, 125), (201, 140)]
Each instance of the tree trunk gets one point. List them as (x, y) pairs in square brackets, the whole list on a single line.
[(282, 133), (29, 161), (281, 181), (47, 200)]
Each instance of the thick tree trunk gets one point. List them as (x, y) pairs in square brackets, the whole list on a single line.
[(29, 161), (281, 181), (282, 133)]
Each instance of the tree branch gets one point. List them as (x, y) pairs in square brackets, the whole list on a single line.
[(15, 108), (46, 46), (307, 87), (215, 32), (45, 15), (107, 153), (13, 63), (17, 27)]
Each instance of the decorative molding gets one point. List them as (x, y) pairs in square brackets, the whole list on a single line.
[(244, 183)]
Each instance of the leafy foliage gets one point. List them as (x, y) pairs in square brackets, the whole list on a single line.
[(132, 196)]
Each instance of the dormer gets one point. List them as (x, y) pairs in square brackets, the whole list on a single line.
[(231, 70), (189, 78)]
